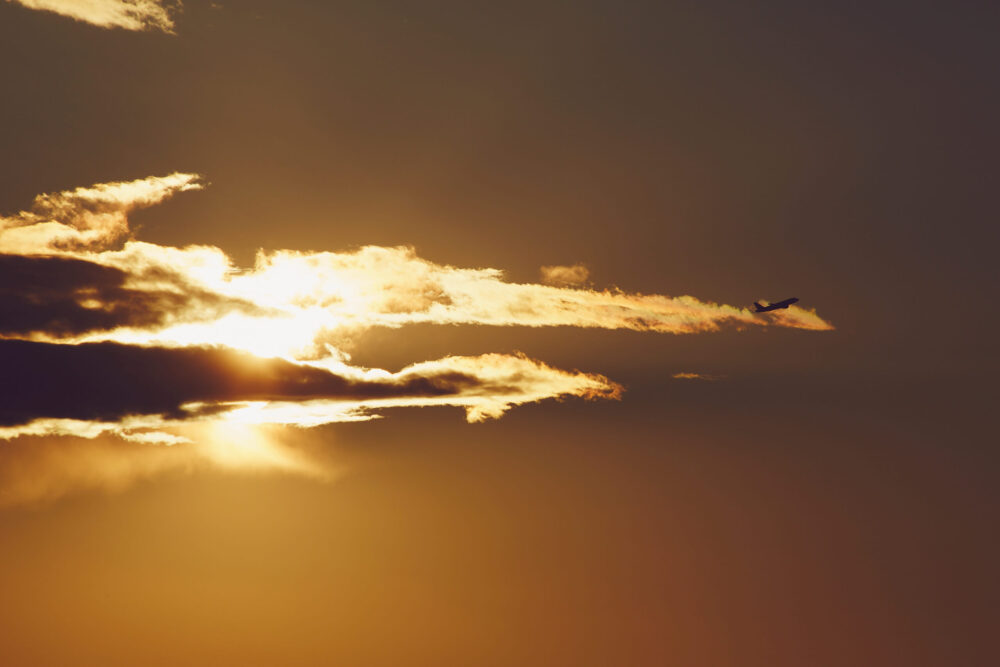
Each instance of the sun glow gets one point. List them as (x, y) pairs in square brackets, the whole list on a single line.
[(290, 336), (232, 443)]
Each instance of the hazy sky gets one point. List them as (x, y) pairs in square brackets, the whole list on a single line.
[(418, 333)]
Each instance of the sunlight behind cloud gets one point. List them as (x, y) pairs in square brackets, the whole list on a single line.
[(232, 443)]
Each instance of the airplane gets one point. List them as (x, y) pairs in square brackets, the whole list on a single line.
[(760, 308)]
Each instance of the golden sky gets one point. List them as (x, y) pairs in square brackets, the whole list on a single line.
[(374, 332)]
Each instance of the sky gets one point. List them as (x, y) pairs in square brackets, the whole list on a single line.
[(382, 333)]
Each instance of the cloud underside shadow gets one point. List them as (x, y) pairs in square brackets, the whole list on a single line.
[(63, 297)]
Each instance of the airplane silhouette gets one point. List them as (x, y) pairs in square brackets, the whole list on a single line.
[(760, 308)]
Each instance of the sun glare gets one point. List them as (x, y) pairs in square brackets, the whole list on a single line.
[(231, 443)]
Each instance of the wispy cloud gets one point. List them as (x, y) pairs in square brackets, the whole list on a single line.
[(36, 470), (127, 14), (122, 388), (95, 217), (695, 376)]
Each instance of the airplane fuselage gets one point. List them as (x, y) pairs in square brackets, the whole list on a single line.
[(760, 308)]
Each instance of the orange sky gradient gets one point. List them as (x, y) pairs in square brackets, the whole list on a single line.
[(389, 333)]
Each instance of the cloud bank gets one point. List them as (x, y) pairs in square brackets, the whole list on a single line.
[(101, 333)]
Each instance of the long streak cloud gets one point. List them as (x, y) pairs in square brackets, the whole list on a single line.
[(104, 333)]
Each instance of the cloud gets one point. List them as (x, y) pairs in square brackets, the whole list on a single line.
[(289, 303), (565, 276), (128, 14), (92, 388), (323, 296), (163, 347), (695, 376), (91, 218), (71, 273), (49, 298), (38, 470)]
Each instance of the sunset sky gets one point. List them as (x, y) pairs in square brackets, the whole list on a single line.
[(388, 333)]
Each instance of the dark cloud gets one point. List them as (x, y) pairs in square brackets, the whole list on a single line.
[(61, 296), (108, 381)]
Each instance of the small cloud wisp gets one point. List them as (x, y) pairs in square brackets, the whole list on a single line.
[(696, 376), (565, 276)]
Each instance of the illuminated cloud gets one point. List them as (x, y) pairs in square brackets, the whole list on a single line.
[(102, 334), (290, 303), (35, 470), (565, 276), (72, 274), (127, 14), (93, 388), (327, 296), (86, 218)]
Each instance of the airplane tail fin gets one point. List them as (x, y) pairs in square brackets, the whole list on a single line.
[(758, 306)]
